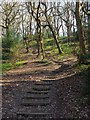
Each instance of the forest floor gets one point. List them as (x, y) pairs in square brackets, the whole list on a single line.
[(68, 86)]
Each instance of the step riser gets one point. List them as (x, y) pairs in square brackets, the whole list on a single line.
[(41, 89), (35, 98), (42, 84), (35, 115), (28, 104), (38, 92)]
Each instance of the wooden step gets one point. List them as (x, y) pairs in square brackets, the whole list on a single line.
[(41, 88), (36, 96), (35, 102), (38, 92), (34, 115), (35, 109), (43, 83)]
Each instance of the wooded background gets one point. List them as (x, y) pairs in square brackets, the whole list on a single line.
[(25, 22)]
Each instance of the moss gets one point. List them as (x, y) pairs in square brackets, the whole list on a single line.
[(19, 63), (7, 66)]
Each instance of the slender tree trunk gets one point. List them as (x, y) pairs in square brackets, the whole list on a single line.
[(89, 33), (68, 32), (23, 28), (88, 27), (52, 30), (56, 41), (62, 28), (42, 48), (30, 24), (68, 24), (38, 30), (37, 39), (58, 21), (79, 28), (73, 19)]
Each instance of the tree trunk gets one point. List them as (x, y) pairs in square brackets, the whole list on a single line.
[(79, 28), (52, 30), (89, 33), (62, 28), (30, 24), (54, 36), (88, 26), (42, 48), (37, 39), (68, 24), (38, 30), (68, 32)]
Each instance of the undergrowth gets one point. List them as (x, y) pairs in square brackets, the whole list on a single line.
[(84, 71)]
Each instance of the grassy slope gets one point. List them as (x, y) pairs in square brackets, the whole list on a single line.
[(49, 48)]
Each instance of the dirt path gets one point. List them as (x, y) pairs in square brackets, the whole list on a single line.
[(35, 69), (67, 87)]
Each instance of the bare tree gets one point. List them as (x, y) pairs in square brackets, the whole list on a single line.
[(9, 13), (48, 20), (34, 10)]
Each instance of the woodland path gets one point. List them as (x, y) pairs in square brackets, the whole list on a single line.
[(43, 90)]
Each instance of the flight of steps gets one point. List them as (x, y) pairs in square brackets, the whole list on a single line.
[(36, 104)]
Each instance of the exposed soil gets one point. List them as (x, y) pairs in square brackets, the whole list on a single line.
[(68, 87)]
